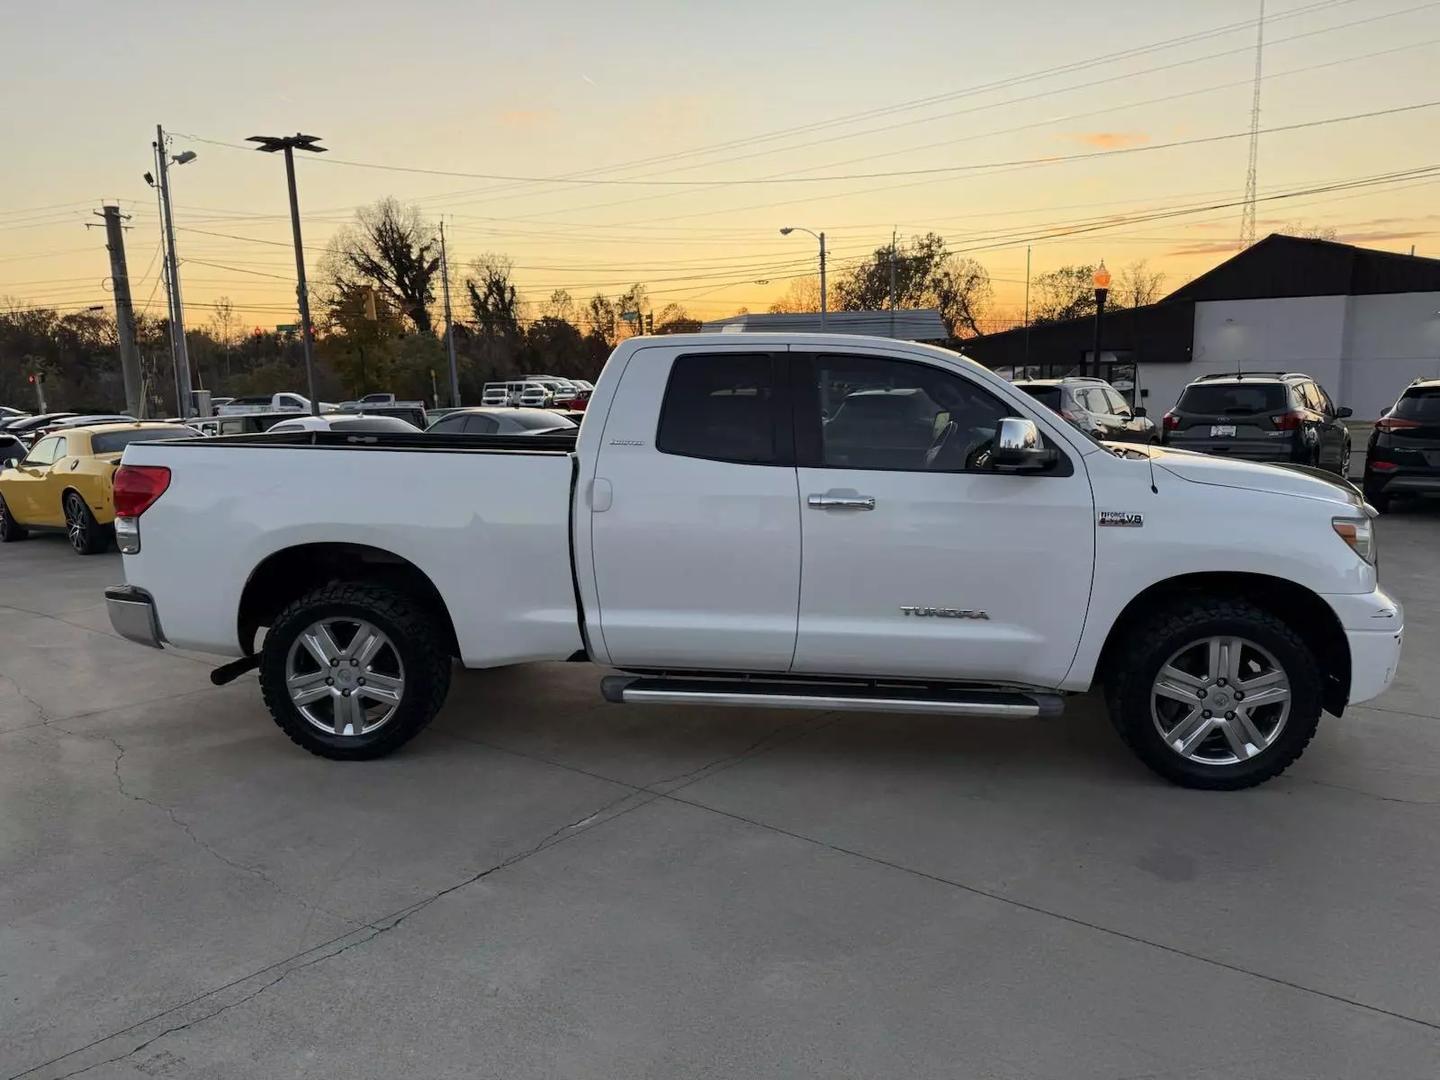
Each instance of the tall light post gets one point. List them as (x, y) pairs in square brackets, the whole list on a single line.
[(290, 143), (1102, 289), (786, 231), (179, 350)]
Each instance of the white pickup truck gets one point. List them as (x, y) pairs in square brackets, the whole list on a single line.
[(795, 521)]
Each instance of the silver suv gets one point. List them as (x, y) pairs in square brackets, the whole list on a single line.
[(1093, 406)]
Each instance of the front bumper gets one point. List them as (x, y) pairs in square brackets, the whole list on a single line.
[(1374, 625), (132, 614)]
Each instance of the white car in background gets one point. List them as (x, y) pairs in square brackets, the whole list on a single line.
[(354, 423)]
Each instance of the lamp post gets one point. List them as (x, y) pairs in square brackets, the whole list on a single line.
[(786, 231), (179, 351), (1102, 289), (290, 143)]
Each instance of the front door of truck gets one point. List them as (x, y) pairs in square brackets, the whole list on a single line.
[(695, 529), (919, 561)]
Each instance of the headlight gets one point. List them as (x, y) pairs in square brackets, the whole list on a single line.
[(1359, 533)]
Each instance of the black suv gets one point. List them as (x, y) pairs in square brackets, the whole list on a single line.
[(1092, 405), (1403, 456), (1260, 416)]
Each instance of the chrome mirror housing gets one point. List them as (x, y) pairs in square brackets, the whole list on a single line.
[(1019, 448)]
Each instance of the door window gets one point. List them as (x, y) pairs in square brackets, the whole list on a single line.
[(724, 408), (46, 452), (1322, 400), (1092, 401), (1115, 404), (480, 424), (861, 412)]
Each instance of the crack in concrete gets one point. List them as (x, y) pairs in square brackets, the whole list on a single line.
[(387, 923), (1375, 795)]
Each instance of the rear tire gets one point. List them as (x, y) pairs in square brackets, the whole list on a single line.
[(412, 666), (87, 536), (10, 529), (1233, 744)]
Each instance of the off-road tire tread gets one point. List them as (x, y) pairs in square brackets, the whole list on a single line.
[(1171, 624), (427, 665)]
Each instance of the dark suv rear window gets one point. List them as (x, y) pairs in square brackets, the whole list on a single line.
[(1225, 399), (1420, 404), (1046, 395)]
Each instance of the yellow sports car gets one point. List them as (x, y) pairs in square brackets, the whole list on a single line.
[(64, 482)]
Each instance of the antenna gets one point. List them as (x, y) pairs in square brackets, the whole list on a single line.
[(1247, 216)]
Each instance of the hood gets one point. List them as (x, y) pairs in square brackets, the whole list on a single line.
[(1301, 480)]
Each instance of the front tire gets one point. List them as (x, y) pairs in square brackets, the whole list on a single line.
[(10, 529), (1215, 694), (354, 671), (87, 536)]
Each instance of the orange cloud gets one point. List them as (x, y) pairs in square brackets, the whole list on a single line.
[(526, 119), (1109, 140)]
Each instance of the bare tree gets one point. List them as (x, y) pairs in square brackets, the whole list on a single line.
[(1137, 285), (801, 297), (393, 249), (925, 275), (1309, 232), (559, 306), (1066, 293), (223, 326), (493, 300)]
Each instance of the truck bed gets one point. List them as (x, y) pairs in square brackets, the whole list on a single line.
[(486, 519)]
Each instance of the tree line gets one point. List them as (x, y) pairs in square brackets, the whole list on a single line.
[(378, 324)]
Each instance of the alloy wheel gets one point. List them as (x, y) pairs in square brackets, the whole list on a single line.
[(1220, 700), (77, 528), (345, 676)]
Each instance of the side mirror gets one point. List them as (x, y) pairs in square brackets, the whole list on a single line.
[(1344, 411), (1018, 447), (1142, 412)]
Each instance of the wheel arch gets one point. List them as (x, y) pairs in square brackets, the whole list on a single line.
[(286, 574), (1304, 611)]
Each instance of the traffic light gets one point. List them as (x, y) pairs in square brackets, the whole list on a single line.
[(37, 378), (649, 322)]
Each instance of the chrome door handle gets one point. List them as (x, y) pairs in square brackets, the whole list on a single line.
[(840, 502)]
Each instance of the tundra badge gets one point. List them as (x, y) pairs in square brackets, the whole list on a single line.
[(944, 612)]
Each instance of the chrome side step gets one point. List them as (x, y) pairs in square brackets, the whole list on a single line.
[(847, 697)]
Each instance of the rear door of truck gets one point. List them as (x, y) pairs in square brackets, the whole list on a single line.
[(694, 520)]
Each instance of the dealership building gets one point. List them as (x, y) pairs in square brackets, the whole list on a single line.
[(1363, 323)]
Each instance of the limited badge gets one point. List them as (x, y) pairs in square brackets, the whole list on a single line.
[(1122, 518)]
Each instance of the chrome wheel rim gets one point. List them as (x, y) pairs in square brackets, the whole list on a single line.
[(345, 676), (75, 526), (1220, 700)]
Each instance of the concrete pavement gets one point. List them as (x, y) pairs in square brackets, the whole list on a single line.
[(546, 885)]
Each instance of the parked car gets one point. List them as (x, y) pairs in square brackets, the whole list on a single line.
[(714, 538), (516, 392), (7, 414), (353, 423), (11, 450), (65, 482), (1403, 455), (85, 421), (283, 402), (501, 421), (241, 424), (1261, 416), (562, 391), (26, 426), (1094, 406), (412, 412)]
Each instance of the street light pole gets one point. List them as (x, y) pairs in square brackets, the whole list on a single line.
[(786, 231), (449, 322), (289, 144), (1102, 289)]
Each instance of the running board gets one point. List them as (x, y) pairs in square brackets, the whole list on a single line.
[(846, 697)]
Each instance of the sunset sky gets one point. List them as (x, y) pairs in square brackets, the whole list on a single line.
[(710, 95)]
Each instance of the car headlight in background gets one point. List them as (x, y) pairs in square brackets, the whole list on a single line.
[(1359, 533)]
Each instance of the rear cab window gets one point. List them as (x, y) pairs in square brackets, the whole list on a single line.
[(725, 407), (1233, 399)]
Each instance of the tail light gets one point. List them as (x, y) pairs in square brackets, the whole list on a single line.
[(1171, 421), (1289, 421), (1382, 466), (1395, 423), (137, 487)]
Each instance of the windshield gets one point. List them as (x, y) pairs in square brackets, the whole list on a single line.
[(1236, 398), (1046, 395), (113, 441)]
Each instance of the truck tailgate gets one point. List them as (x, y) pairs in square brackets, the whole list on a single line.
[(490, 529)]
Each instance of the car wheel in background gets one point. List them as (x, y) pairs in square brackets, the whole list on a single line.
[(87, 536), (353, 671), (1217, 694), (10, 529)]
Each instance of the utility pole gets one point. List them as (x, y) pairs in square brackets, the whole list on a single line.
[(177, 314), (269, 144), (824, 306), (449, 323), (893, 232), (124, 311), (1026, 373)]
